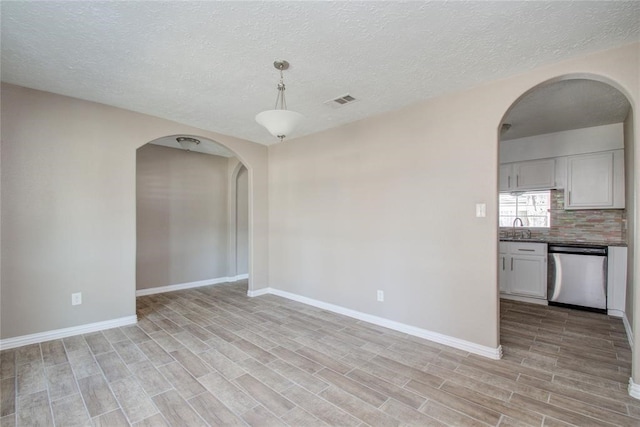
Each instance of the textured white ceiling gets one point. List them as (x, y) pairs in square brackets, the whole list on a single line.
[(209, 64), (565, 105)]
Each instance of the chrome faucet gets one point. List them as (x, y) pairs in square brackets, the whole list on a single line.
[(515, 221)]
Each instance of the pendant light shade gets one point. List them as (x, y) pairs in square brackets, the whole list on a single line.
[(280, 122)]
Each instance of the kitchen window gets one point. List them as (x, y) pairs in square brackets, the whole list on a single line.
[(532, 207)]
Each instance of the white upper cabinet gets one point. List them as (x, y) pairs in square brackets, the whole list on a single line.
[(530, 175), (595, 181), (593, 157), (535, 174), (504, 183)]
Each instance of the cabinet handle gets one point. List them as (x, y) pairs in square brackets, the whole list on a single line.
[(511, 264), (527, 250), (517, 180), (509, 181), (502, 263), (569, 201)]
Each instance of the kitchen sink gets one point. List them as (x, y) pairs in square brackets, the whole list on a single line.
[(516, 235)]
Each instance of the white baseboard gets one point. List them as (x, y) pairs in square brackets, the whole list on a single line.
[(492, 353), (627, 328), (258, 292), (66, 332), (525, 299), (615, 313), (634, 389), (181, 286)]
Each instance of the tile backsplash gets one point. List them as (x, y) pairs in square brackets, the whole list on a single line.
[(590, 225)]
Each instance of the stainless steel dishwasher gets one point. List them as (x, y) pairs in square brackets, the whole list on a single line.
[(578, 277)]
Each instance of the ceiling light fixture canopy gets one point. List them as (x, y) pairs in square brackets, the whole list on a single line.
[(280, 122), (187, 143)]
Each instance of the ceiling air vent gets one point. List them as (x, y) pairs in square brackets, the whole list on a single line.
[(340, 101)]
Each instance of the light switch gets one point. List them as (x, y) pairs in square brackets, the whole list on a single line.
[(481, 210)]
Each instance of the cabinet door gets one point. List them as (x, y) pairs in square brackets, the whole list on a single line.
[(535, 175), (528, 276), (618, 179), (589, 181), (616, 278), (503, 272), (504, 180), (503, 266)]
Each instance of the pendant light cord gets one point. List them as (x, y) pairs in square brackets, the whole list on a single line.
[(280, 97)]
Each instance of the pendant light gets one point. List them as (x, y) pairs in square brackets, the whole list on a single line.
[(280, 122)]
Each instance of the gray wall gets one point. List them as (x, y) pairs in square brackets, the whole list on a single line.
[(630, 196), (388, 203), (181, 216), (242, 222), (68, 214), (383, 203), (68, 208)]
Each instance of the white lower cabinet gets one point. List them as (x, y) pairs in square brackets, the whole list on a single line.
[(617, 280), (522, 269), (503, 267)]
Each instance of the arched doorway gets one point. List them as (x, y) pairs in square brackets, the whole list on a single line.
[(242, 222), (186, 215), (238, 221), (590, 106)]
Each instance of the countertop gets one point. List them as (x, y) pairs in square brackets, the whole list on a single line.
[(564, 242)]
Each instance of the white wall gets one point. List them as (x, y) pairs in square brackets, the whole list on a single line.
[(181, 216), (388, 203), (68, 213)]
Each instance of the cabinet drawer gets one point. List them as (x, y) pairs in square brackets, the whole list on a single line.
[(525, 248)]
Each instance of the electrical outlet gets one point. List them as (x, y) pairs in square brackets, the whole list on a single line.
[(76, 299), (380, 296)]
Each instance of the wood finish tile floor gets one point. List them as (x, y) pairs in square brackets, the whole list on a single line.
[(212, 356)]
